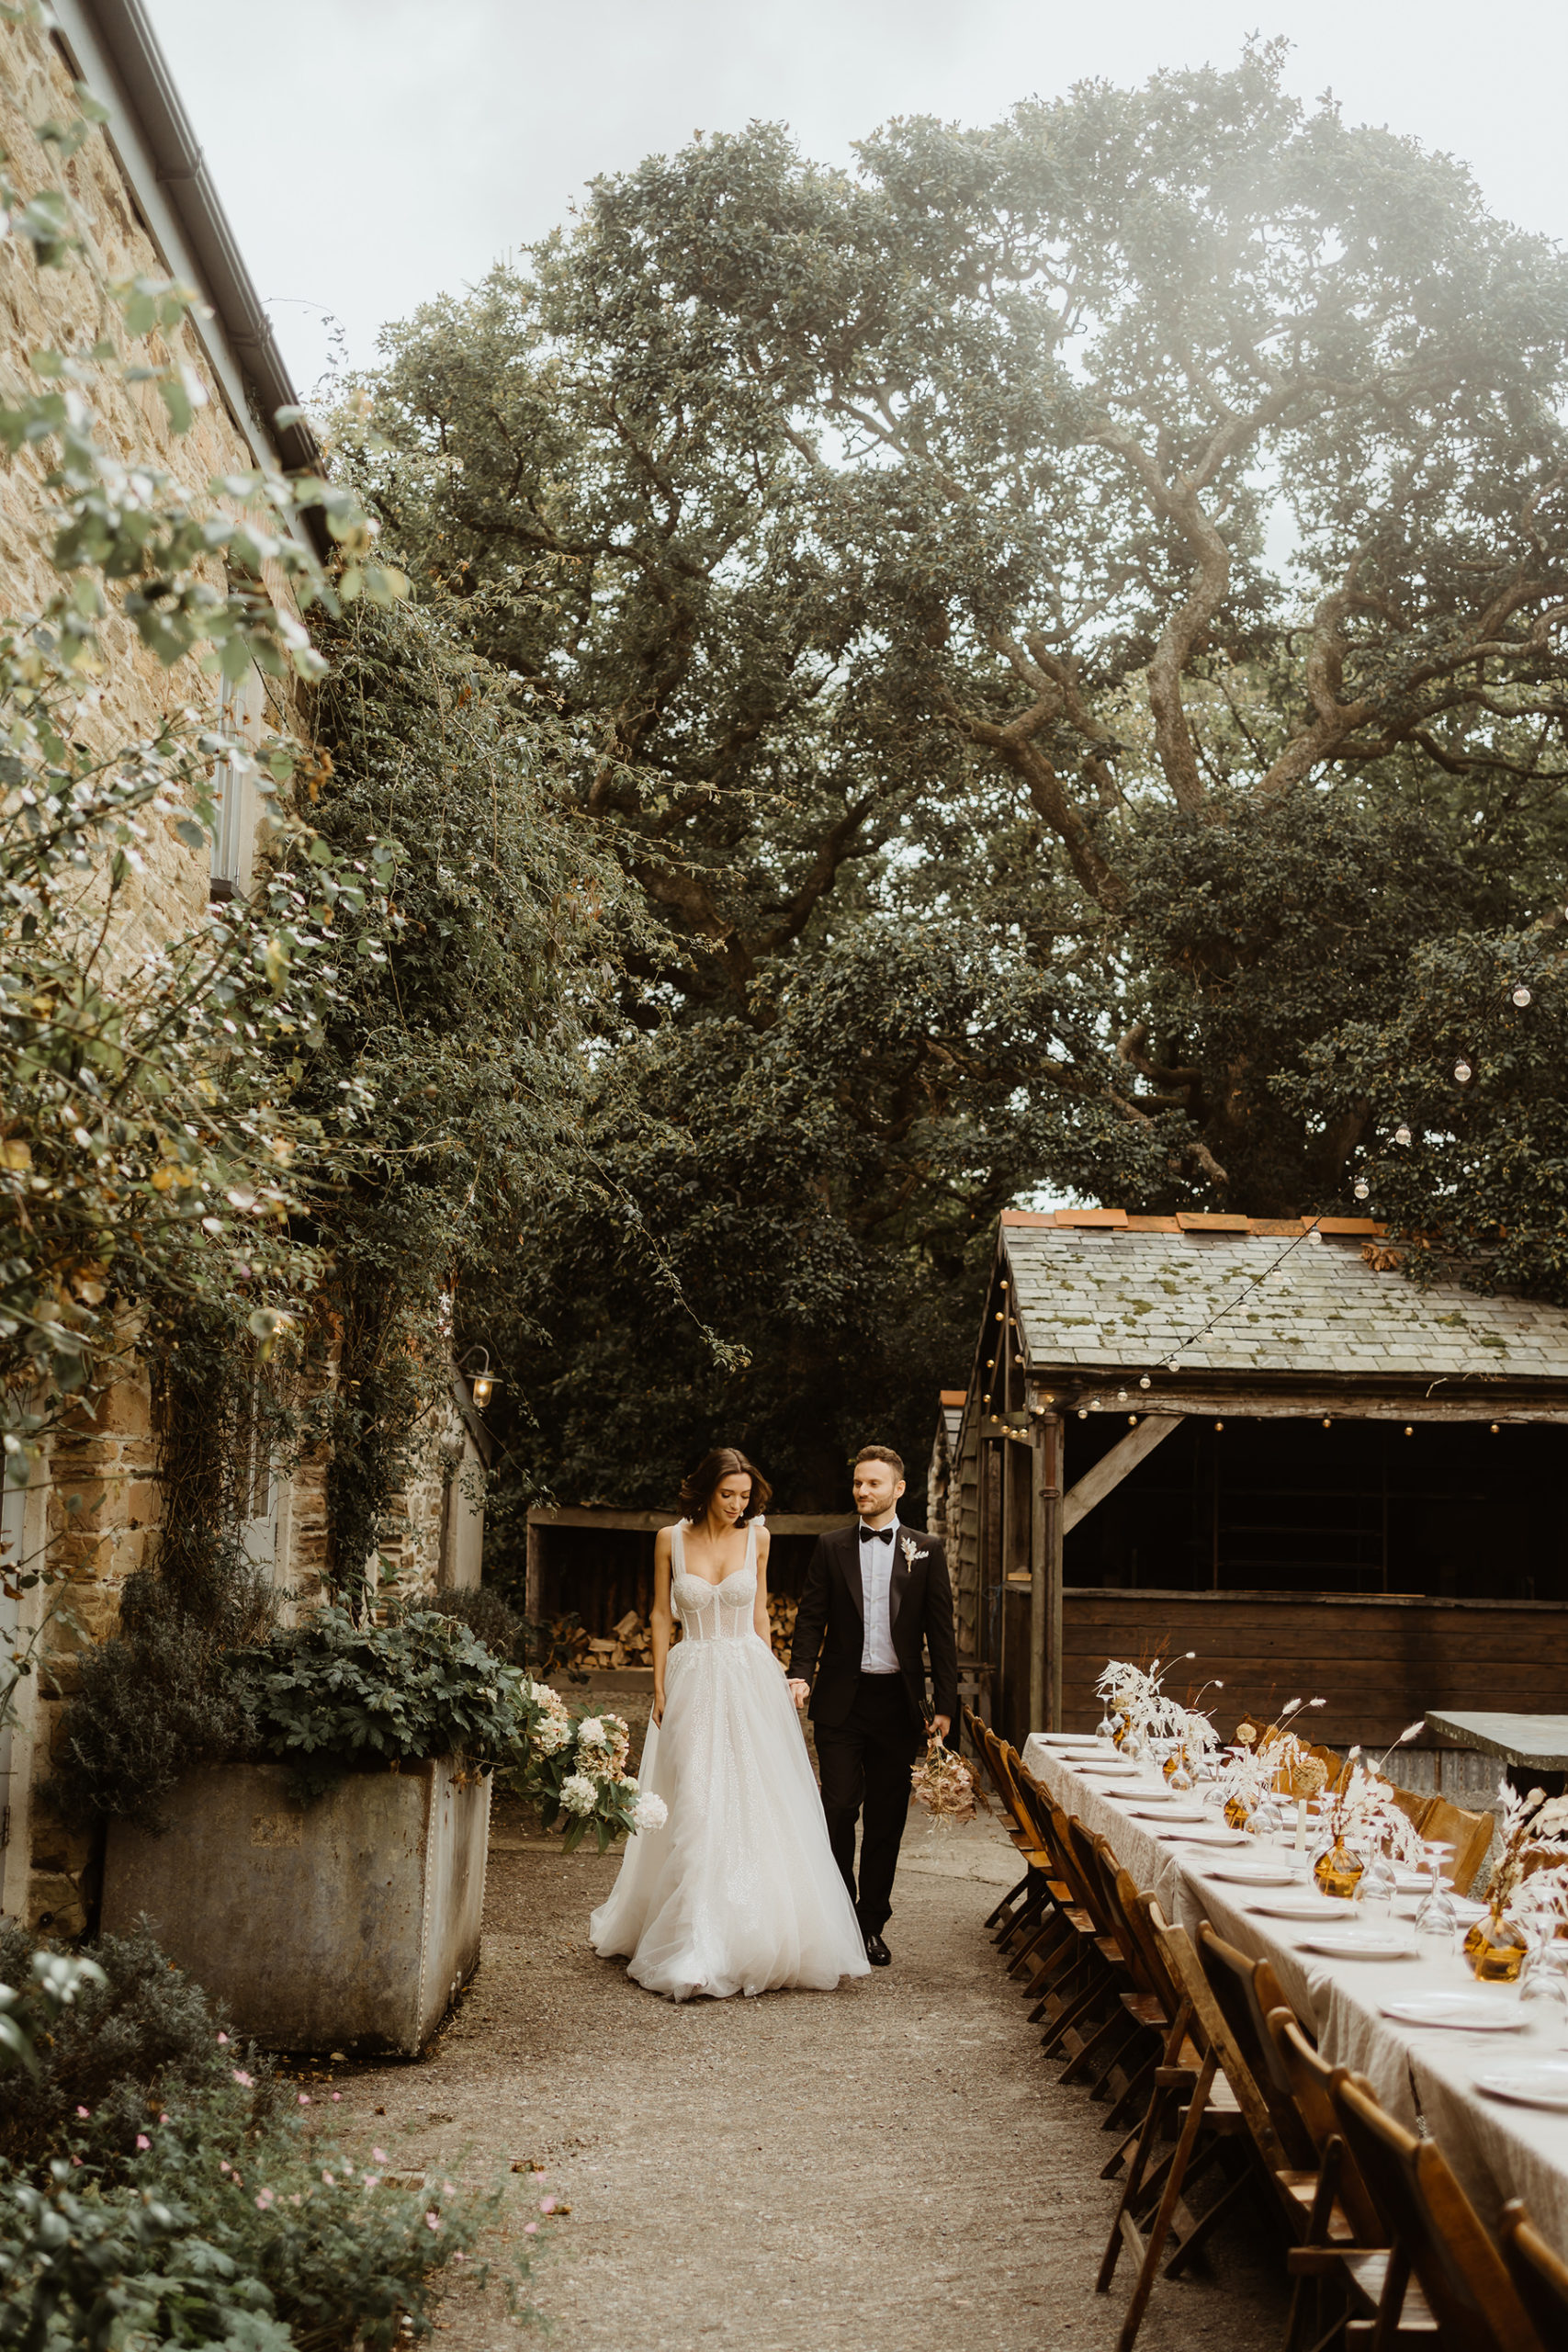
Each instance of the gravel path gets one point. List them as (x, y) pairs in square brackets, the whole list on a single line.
[(883, 2167)]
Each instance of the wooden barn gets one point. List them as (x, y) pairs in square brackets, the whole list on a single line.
[(1256, 1440)]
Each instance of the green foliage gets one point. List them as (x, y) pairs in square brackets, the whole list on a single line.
[(174, 2191), (28, 2009), (150, 1703), (139, 2038), (330, 1696), (472, 1041), (84, 2270), (1008, 815)]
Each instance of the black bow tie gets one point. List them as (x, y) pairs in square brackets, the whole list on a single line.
[(875, 1534)]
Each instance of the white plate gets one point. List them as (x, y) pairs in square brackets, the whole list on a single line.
[(1068, 1739), (1320, 1908), (1465, 2012), (1110, 1771), (1140, 1812), (1210, 1837), (1541, 2086), (1255, 1874), (1359, 1943)]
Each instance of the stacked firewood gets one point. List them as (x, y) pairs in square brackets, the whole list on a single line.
[(630, 1640)]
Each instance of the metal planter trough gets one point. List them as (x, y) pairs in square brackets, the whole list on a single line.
[(349, 1924)]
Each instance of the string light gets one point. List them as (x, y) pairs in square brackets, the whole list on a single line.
[(1145, 1382), (1464, 1072), (1401, 1135), (1362, 1189), (1521, 996)]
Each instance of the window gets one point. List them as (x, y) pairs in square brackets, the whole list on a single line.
[(241, 708)]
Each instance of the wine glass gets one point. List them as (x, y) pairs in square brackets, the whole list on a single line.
[(1436, 1920), (1375, 1891), (1544, 1983)]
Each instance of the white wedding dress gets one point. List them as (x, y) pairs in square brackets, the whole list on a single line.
[(738, 1892)]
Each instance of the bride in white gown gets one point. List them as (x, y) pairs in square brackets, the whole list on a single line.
[(738, 1892)]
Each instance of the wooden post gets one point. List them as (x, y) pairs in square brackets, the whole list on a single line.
[(535, 1586), (1045, 1578)]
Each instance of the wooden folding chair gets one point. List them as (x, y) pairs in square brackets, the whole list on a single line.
[(1470, 1835), (1435, 2230), (1025, 1900), (1539, 2276), (1191, 2090), (1346, 2243)]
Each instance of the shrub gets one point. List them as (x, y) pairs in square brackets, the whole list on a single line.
[(93, 2271), (488, 1619), (142, 2041), (176, 2197), (150, 1705)]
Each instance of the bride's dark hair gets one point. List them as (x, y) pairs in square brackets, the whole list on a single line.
[(724, 1462)]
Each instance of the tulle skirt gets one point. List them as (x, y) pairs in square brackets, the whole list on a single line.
[(738, 1892)]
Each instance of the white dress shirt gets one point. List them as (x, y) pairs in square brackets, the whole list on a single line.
[(877, 1655)]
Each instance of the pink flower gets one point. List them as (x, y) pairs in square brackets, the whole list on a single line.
[(336, 2095), (329, 2179), (246, 2082), (162, 2118), (222, 2041), (378, 2156), (546, 2204), (84, 2112), (372, 2180), (222, 2164), (143, 2141), (296, 2199), (529, 2228), (432, 2221), (75, 2160), (263, 2199), (448, 2188), (304, 2099)]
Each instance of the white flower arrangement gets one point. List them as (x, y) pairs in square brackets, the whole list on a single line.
[(650, 1812), (577, 1793), (604, 1743), (1364, 1813)]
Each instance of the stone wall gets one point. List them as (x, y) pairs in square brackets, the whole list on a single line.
[(101, 1500)]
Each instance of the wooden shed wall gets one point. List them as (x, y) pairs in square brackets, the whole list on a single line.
[(1378, 1663)]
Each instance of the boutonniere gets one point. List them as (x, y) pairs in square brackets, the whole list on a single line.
[(911, 1551)]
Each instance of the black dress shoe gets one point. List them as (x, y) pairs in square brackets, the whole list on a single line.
[(876, 1951)]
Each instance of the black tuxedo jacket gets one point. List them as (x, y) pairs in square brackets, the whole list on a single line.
[(829, 1629)]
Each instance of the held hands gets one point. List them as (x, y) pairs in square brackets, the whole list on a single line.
[(798, 1690), (941, 1726)]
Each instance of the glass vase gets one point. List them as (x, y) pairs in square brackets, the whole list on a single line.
[(1337, 1872), (1495, 1950)]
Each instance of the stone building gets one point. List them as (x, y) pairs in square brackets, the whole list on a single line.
[(143, 204)]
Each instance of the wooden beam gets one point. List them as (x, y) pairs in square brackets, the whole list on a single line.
[(1242, 1403), (1113, 1467), (648, 1522), (1045, 1578)]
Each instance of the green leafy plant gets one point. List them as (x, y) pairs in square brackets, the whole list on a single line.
[(163, 2184), (330, 1696)]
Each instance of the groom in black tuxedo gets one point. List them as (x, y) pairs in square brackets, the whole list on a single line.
[(877, 1598)]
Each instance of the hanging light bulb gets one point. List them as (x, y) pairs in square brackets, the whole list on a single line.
[(1464, 1072), (1401, 1135), (1121, 1396), (1145, 1382), (1521, 996), (1362, 1189)]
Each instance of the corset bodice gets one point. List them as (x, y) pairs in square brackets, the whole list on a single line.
[(714, 1612)]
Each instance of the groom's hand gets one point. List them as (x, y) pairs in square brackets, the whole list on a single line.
[(941, 1726), (798, 1690)]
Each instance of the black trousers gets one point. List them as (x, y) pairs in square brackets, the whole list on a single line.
[(865, 1761)]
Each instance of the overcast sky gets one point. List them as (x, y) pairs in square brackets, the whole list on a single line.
[(374, 152)]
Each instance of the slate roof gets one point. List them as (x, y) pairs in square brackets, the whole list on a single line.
[(1109, 1293)]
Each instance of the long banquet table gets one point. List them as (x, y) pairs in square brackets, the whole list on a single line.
[(1497, 2150)]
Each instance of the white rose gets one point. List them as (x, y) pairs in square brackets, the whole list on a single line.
[(650, 1812), (577, 1793), (591, 1732)]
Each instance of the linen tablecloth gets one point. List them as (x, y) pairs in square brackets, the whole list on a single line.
[(1497, 2150)]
